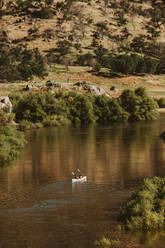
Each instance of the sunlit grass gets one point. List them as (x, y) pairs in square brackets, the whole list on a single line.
[(106, 243)]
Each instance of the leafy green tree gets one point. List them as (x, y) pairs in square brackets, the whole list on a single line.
[(125, 63), (81, 110), (108, 110), (139, 105)]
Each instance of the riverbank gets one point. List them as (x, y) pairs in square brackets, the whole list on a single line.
[(64, 107)]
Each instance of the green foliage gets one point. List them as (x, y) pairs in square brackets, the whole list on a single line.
[(125, 63), (81, 108), (106, 243), (134, 63), (96, 67), (14, 98), (65, 107), (6, 118), (146, 208), (151, 65), (38, 8), (17, 63), (100, 53), (161, 102), (108, 110), (139, 105), (11, 141), (25, 125), (85, 59)]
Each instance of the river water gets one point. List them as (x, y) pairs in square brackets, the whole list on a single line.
[(41, 208)]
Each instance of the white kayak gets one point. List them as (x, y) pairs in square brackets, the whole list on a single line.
[(75, 180)]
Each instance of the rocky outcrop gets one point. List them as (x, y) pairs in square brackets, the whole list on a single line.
[(5, 103), (49, 83), (96, 90)]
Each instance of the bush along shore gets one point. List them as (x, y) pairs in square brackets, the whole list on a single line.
[(146, 208), (69, 107), (11, 143)]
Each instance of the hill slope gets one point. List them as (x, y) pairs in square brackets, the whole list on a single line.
[(93, 33)]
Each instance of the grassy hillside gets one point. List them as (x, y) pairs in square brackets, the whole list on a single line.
[(123, 36)]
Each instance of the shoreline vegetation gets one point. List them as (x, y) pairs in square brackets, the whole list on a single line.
[(146, 207), (69, 107), (62, 107), (11, 143)]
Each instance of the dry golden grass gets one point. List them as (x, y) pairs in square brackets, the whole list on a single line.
[(95, 10), (155, 84)]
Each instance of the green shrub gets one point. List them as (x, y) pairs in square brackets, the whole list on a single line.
[(151, 65), (65, 107), (139, 105), (133, 63), (81, 109), (146, 208), (5, 118), (18, 63), (25, 125), (96, 67), (125, 63), (85, 59), (11, 142), (161, 102), (108, 110), (106, 243)]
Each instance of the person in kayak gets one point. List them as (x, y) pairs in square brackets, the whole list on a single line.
[(78, 176)]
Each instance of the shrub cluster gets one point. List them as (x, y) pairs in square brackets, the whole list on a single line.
[(5, 118), (161, 102), (106, 243), (146, 208), (65, 107), (134, 63), (38, 9), (21, 64), (11, 141), (126, 63), (139, 105)]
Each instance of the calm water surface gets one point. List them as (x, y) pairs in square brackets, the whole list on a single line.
[(41, 208)]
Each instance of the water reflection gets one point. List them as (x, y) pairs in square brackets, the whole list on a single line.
[(38, 199)]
